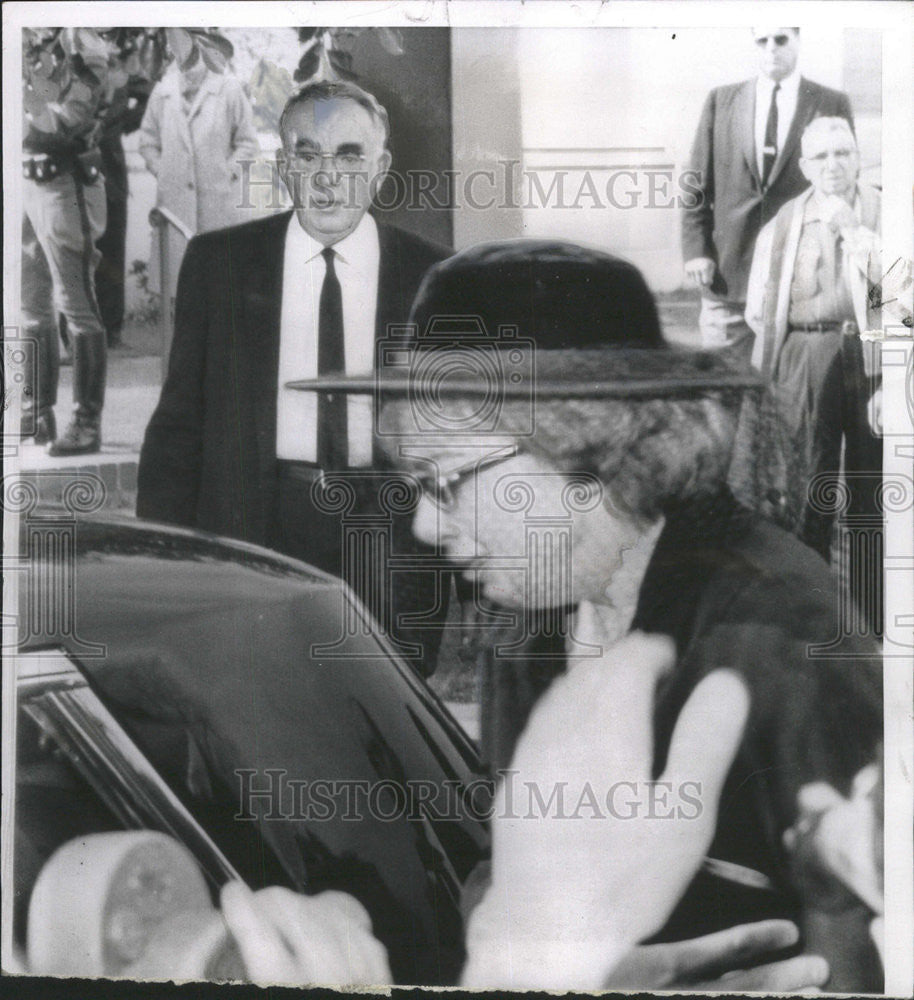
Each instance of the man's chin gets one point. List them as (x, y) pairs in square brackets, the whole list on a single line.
[(329, 224)]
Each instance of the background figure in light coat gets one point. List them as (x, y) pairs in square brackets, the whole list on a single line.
[(809, 298), (197, 129)]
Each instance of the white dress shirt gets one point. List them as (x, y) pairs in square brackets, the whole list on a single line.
[(356, 264), (787, 108)]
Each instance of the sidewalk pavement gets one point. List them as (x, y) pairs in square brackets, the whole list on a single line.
[(134, 383)]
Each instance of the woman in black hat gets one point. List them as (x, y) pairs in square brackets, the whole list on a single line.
[(567, 457), (606, 476)]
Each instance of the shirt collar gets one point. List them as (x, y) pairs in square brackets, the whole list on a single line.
[(354, 250), (814, 206), (790, 85)]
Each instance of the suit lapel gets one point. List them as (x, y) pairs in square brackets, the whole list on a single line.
[(262, 306), (786, 250), (745, 116), (389, 309), (806, 106)]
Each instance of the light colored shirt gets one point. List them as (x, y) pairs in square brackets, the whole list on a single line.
[(787, 108), (820, 289), (356, 264)]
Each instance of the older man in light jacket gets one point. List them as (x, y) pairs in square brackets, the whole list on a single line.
[(809, 299)]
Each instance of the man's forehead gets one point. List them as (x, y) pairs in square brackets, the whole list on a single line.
[(337, 113), (768, 32), (835, 141)]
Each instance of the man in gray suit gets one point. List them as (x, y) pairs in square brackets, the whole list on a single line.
[(746, 160)]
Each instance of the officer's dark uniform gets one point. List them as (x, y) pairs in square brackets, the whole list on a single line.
[(66, 74)]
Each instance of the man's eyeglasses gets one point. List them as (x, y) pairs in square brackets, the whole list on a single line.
[(310, 161), (441, 488), (779, 40)]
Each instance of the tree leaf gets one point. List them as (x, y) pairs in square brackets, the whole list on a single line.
[(182, 45), (67, 41), (212, 57), (80, 92), (45, 121), (90, 45), (341, 61), (43, 90), (117, 78), (214, 40), (391, 40), (151, 57), (307, 65), (34, 103)]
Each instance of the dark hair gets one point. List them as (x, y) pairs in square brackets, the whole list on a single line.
[(329, 90)]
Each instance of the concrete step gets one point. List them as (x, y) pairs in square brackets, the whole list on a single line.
[(107, 479)]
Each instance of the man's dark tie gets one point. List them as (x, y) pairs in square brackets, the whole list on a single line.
[(770, 152), (332, 431)]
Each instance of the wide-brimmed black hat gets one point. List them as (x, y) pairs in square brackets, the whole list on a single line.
[(535, 316), (559, 295)]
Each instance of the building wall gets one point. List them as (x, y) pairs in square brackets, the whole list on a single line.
[(602, 117), (607, 117)]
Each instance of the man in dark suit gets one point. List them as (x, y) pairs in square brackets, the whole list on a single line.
[(746, 160), (229, 449)]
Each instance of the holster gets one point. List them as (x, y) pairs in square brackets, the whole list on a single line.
[(89, 166)]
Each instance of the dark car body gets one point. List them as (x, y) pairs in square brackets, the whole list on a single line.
[(260, 693)]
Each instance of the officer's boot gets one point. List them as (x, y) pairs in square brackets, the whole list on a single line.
[(45, 426), (83, 436), (42, 371), (38, 424)]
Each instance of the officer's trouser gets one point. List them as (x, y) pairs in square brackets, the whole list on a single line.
[(62, 220)]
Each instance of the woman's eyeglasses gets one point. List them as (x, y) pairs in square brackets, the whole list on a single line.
[(441, 489)]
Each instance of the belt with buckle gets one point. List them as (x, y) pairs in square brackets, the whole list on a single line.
[(86, 167), (310, 472), (830, 326), (41, 167)]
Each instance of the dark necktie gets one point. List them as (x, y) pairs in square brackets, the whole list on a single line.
[(770, 150), (332, 432)]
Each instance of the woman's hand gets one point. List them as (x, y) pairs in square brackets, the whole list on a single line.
[(728, 961), (581, 873)]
